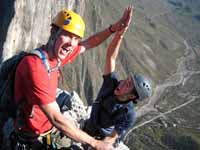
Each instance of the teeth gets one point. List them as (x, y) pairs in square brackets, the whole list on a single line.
[(66, 49)]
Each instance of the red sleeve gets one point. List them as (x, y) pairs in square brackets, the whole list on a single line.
[(70, 58), (35, 80)]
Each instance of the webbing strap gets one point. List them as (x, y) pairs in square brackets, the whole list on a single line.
[(55, 68), (42, 56), (45, 61)]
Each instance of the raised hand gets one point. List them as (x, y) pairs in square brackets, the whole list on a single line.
[(124, 21)]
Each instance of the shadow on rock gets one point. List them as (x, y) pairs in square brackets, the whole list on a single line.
[(7, 12)]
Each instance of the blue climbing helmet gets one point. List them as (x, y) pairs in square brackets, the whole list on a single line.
[(142, 85)]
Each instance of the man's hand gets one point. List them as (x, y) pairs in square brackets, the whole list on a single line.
[(112, 138), (103, 145), (124, 20)]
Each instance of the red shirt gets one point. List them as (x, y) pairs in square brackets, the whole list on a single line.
[(34, 87)]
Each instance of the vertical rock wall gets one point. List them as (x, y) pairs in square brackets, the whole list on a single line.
[(26, 24)]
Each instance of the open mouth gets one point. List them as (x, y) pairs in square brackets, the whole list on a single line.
[(66, 50)]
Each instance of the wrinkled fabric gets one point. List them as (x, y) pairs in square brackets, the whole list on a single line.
[(107, 113)]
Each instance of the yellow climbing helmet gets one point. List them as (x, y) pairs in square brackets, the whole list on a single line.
[(70, 21)]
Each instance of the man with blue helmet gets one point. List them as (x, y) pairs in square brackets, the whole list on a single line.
[(113, 111)]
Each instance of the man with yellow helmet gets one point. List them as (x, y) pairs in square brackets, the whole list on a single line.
[(35, 87)]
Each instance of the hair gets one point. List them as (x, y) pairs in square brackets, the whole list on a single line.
[(54, 27), (53, 34)]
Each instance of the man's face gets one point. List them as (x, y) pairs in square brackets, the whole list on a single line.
[(65, 44), (124, 87)]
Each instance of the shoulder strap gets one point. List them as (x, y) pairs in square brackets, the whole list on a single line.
[(45, 61), (42, 56)]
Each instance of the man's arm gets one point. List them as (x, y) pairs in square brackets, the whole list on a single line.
[(65, 126), (113, 48), (100, 37)]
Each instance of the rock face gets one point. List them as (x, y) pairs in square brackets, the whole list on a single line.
[(162, 42), (28, 22)]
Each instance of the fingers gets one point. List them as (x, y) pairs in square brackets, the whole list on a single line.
[(125, 20), (127, 11), (103, 145), (127, 16), (110, 147)]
